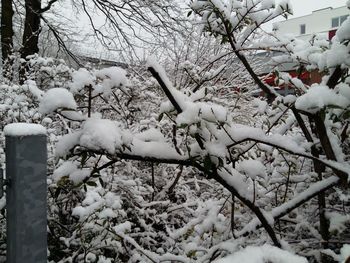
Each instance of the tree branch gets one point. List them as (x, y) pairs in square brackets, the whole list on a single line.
[(166, 90), (338, 172), (48, 7), (297, 201), (334, 78), (255, 209)]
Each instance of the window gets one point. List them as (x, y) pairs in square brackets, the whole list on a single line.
[(302, 29), (337, 21)]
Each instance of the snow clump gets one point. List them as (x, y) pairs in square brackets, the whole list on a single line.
[(265, 253), (57, 98)]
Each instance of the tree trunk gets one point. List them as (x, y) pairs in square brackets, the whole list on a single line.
[(31, 28), (31, 32), (6, 36)]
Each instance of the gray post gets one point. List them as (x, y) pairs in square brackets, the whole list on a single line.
[(1, 183), (26, 192)]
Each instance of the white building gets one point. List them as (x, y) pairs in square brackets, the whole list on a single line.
[(323, 21)]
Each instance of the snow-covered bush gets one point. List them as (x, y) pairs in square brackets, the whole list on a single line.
[(145, 171)]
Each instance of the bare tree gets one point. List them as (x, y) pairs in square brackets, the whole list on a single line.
[(127, 24)]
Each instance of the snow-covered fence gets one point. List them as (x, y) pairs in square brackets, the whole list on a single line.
[(26, 193)]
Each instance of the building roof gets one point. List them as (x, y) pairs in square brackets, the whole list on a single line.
[(265, 63), (102, 62)]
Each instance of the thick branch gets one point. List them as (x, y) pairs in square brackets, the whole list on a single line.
[(297, 201), (256, 210), (166, 90), (255, 77), (173, 101), (324, 139), (302, 125), (134, 157), (48, 7), (334, 78), (246, 64)]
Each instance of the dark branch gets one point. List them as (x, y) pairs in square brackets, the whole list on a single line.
[(166, 90), (48, 7), (339, 173), (334, 78), (292, 204)]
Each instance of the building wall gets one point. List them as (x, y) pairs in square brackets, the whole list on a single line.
[(320, 21)]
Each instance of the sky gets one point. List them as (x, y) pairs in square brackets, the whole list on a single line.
[(300, 8), (305, 7)]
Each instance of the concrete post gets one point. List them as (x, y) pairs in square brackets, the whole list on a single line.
[(1, 183), (26, 193)]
